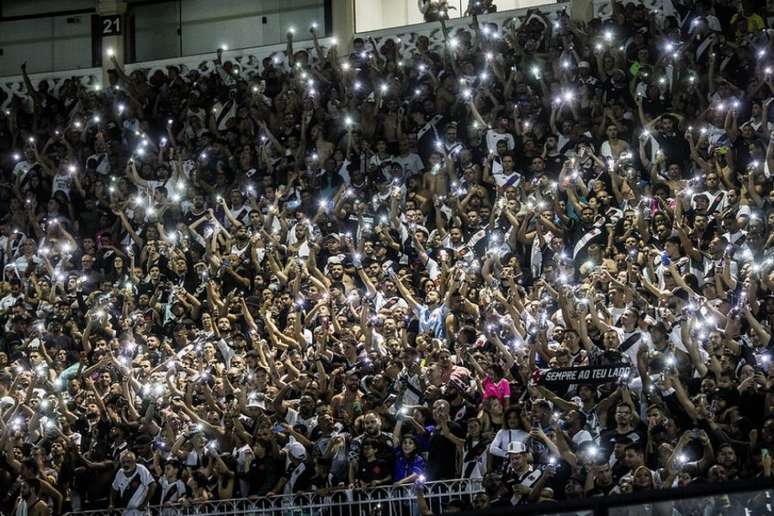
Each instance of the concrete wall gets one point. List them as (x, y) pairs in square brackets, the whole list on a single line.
[(206, 25), (64, 42), (29, 8), (381, 14), (47, 44)]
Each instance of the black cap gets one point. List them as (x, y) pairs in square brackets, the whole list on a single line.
[(174, 461), (253, 301), (143, 440)]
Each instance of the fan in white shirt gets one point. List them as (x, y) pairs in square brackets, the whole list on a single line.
[(132, 486), (172, 488), (409, 161)]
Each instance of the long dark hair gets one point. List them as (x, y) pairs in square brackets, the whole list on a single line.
[(272, 450), (413, 439), (507, 414)]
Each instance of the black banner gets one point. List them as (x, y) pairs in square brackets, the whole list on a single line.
[(591, 374)]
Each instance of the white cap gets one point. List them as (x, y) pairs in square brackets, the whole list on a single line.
[(516, 447), (255, 403), (295, 450)]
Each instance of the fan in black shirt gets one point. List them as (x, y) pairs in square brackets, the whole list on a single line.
[(446, 438), (372, 471)]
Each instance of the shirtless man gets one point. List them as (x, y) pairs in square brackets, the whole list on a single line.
[(29, 501), (613, 147), (347, 399)]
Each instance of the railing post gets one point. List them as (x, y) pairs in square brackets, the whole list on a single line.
[(601, 508), (581, 10), (343, 18), (113, 33)]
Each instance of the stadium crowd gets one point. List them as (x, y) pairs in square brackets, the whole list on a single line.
[(537, 256)]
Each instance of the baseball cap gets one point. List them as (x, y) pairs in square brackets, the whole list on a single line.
[(423, 229), (295, 450), (143, 440), (173, 461), (584, 64), (253, 301)]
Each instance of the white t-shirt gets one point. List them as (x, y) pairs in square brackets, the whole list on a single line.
[(171, 491), (631, 352), (616, 313), (381, 300), (503, 178), (293, 418), (503, 437), (606, 150), (720, 195), (22, 167), (139, 480), (412, 164), (103, 163), (8, 301), (702, 269), (240, 214), (581, 437), (61, 183), (22, 263), (493, 136)]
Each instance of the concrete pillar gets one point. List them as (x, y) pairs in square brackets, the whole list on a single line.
[(581, 11), (343, 14), (113, 32)]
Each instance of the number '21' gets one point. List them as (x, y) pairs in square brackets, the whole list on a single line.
[(111, 26)]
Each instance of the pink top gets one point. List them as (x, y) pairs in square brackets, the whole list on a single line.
[(499, 390)]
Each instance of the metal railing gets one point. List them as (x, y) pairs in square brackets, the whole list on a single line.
[(394, 500), (748, 497), (753, 497)]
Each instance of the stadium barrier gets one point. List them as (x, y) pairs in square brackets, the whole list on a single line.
[(744, 497), (393, 500)]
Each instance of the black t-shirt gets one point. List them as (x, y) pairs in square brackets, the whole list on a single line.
[(262, 476), (674, 147), (607, 438), (554, 164), (96, 434), (742, 151), (230, 283), (303, 481), (442, 453), (384, 448), (376, 470), (619, 469), (579, 230), (192, 216), (617, 90), (65, 342)]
